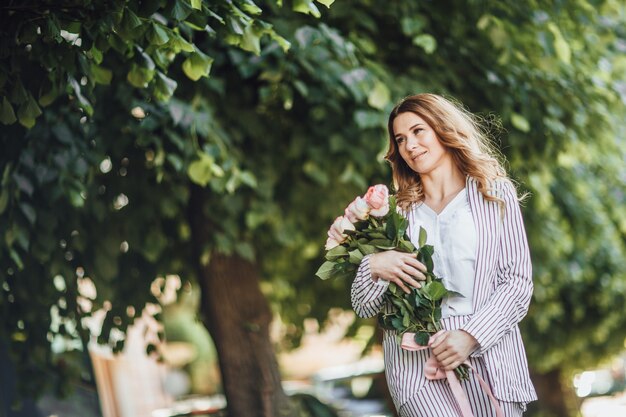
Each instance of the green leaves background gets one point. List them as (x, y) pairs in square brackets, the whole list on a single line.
[(282, 137)]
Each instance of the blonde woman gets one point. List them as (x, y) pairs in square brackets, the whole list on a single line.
[(449, 182)]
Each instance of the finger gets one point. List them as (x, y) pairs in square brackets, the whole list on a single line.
[(413, 272), (449, 360), (438, 340), (402, 286), (449, 367), (446, 357), (437, 349), (411, 281), (411, 260)]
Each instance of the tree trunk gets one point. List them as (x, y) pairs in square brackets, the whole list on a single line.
[(238, 316), (553, 398)]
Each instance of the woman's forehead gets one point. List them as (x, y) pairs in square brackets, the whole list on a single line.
[(406, 121)]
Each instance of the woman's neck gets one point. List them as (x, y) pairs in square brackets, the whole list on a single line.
[(442, 185)]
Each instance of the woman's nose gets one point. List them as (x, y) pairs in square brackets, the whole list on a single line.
[(411, 141)]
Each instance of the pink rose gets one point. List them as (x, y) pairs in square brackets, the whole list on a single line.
[(377, 198), (331, 243), (357, 210), (336, 230)]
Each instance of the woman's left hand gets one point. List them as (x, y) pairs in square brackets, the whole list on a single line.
[(453, 347)]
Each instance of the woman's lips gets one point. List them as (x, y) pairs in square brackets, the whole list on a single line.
[(419, 155)]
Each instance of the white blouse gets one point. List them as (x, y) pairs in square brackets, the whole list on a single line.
[(453, 236)]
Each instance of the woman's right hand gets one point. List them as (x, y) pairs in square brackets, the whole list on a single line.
[(401, 268)]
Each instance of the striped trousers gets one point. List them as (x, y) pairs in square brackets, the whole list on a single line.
[(435, 399)]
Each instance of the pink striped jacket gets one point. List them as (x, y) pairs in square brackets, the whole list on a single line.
[(502, 292)]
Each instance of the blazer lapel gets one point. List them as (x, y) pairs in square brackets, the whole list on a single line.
[(485, 215)]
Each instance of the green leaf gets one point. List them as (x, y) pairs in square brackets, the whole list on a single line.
[(18, 93), (325, 271), (51, 30), (366, 119), (306, 7), (28, 112), (45, 99), (420, 300), (391, 229), (326, 3), (4, 199), (202, 170), (406, 246), (379, 96), (426, 42), (406, 320), (164, 87), (355, 257), (283, 43), (130, 21), (157, 34), (181, 10), (178, 43), (139, 76), (383, 247), (434, 291), (520, 122), (248, 178), (197, 65), (562, 48), (24, 184), (101, 75), (422, 237), (196, 4), (425, 256), (394, 289), (29, 212), (7, 115), (402, 224), (245, 250), (396, 322), (437, 314), (251, 40), (145, 61), (16, 258), (250, 7), (422, 338), (412, 25), (366, 249), (336, 253)]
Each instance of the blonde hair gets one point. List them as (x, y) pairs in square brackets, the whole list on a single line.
[(461, 133)]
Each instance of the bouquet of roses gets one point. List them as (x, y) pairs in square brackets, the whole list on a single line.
[(372, 224)]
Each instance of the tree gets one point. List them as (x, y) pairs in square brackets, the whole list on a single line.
[(236, 178), (64, 223)]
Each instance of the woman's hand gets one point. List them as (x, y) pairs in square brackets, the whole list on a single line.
[(401, 268), (452, 348)]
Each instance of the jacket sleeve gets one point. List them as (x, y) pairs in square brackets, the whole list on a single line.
[(509, 302), (367, 295)]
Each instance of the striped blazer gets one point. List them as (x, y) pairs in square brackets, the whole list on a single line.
[(501, 296)]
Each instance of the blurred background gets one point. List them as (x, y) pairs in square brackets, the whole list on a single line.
[(168, 172)]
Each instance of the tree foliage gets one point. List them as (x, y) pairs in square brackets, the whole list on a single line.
[(99, 185), (52, 49)]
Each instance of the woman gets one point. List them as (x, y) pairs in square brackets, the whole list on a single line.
[(449, 182)]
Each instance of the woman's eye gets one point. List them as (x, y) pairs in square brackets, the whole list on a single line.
[(417, 131), (399, 140)]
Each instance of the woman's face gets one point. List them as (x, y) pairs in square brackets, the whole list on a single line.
[(418, 144)]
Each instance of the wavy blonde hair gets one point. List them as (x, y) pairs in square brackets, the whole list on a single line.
[(461, 133)]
